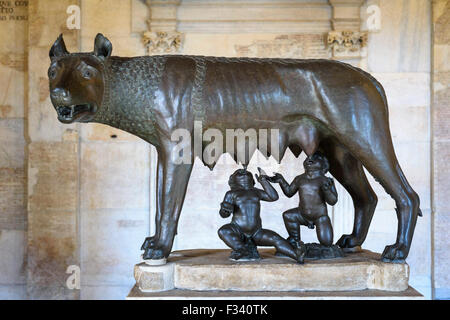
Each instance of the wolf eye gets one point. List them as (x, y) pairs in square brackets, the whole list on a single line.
[(52, 73), (87, 74)]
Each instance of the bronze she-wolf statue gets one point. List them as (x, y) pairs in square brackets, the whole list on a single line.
[(317, 105)]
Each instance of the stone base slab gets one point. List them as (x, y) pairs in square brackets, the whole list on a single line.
[(179, 294), (212, 270)]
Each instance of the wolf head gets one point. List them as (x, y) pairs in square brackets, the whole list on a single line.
[(77, 81)]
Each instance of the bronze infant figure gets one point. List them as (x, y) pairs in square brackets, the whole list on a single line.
[(245, 231), (317, 105), (315, 190)]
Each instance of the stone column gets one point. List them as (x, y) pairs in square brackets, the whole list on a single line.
[(346, 40), (53, 164), (441, 147), (13, 66)]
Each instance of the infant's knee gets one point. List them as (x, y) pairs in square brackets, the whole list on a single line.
[(289, 216), (326, 241), (224, 231), (324, 231)]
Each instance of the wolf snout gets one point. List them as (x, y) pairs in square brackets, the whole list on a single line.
[(60, 96)]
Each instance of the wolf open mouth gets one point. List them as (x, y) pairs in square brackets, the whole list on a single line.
[(68, 114)]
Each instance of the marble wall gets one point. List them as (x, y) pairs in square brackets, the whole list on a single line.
[(398, 55), (87, 187), (13, 214), (441, 147)]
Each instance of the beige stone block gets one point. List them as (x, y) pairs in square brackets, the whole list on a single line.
[(58, 292), (48, 19), (405, 89), (108, 292), (226, 11), (12, 143), (286, 46), (107, 17), (115, 175), (101, 132), (13, 292), (12, 82), (383, 231), (210, 44), (250, 17), (409, 124), (154, 278), (420, 254), (441, 252), (179, 294), (112, 240), (13, 30), (53, 176), (212, 270), (197, 228), (377, 241), (403, 43), (441, 111), (12, 199), (441, 183), (383, 221), (52, 248), (414, 159), (139, 16), (257, 45), (441, 11), (441, 58), (12, 251), (346, 12)]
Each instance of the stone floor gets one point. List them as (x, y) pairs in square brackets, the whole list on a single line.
[(178, 294)]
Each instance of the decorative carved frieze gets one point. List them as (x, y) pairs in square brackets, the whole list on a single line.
[(286, 46), (162, 42), (346, 44)]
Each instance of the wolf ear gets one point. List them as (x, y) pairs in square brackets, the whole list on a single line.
[(102, 46), (59, 48)]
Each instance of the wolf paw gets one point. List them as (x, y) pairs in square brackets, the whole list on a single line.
[(154, 253), (348, 241), (148, 242), (395, 253)]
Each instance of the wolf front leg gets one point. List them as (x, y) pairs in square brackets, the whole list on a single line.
[(172, 181)]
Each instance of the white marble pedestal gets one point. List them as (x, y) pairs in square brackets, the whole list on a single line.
[(209, 274)]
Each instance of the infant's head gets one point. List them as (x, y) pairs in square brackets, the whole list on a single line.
[(316, 162), (241, 178)]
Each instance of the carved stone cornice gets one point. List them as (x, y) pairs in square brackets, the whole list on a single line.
[(169, 19), (346, 14), (162, 42), (162, 36), (347, 43)]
